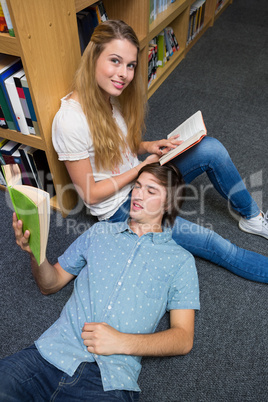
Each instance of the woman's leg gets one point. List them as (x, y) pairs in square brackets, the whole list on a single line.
[(205, 243), (210, 156)]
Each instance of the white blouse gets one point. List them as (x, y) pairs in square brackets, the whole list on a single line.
[(72, 141)]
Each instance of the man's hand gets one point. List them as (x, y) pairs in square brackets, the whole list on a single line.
[(22, 240), (102, 339)]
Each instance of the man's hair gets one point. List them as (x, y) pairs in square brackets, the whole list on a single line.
[(171, 178), (108, 139)]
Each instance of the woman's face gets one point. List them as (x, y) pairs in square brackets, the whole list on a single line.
[(115, 67)]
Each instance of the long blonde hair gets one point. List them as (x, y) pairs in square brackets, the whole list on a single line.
[(107, 138)]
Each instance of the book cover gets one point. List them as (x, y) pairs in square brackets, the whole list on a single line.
[(3, 24), (7, 18), (191, 131), (15, 101), (32, 206), (8, 66)]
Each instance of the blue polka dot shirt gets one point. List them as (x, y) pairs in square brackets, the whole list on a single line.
[(125, 280)]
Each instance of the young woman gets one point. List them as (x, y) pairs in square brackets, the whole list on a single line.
[(98, 134)]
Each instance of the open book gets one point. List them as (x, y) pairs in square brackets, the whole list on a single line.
[(191, 132), (32, 206)]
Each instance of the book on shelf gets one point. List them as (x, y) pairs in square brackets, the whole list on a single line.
[(18, 84), (196, 20), (7, 18), (3, 123), (87, 20), (161, 50), (35, 163), (8, 66), (10, 155), (191, 131), (15, 101), (32, 207), (3, 23), (30, 104)]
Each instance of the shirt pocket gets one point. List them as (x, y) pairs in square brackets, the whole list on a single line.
[(153, 281)]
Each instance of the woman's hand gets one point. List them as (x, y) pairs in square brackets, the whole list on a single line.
[(160, 147), (22, 240)]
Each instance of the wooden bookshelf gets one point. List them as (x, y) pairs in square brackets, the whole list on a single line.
[(48, 44)]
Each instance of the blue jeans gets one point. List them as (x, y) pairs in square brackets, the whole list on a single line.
[(26, 376), (210, 156)]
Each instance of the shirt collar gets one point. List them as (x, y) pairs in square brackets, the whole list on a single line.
[(157, 237)]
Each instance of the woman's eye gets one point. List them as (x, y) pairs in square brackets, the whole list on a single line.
[(132, 66), (115, 61)]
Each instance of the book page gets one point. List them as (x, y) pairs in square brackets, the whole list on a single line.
[(190, 127)]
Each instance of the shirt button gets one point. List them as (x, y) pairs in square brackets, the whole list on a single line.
[(129, 261), (109, 307), (119, 283)]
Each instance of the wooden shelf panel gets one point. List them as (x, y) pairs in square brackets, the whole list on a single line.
[(9, 45), (32, 140), (81, 4)]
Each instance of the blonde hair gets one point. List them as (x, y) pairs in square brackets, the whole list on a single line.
[(107, 138)]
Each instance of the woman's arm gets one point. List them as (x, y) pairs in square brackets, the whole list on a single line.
[(101, 338), (93, 192), (49, 278)]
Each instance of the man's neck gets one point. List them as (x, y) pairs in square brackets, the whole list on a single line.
[(143, 228)]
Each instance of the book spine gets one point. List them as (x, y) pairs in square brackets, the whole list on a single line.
[(14, 99), (24, 105), (3, 123), (27, 164), (30, 104)]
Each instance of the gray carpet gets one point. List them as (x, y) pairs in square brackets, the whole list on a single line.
[(226, 76)]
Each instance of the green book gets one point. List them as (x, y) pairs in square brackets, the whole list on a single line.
[(32, 206)]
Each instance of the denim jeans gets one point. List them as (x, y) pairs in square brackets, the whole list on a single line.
[(26, 376), (210, 156)]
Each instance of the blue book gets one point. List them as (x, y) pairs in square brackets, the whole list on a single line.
[(8, 66)]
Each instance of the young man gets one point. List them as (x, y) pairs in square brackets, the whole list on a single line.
[(128, 275)]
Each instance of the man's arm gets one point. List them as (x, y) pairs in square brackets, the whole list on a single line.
[(102, 339), (49, 278)]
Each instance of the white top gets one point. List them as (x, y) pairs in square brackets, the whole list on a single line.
[(72, 141)]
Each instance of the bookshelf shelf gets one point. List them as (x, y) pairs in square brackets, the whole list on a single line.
[(47, 42)]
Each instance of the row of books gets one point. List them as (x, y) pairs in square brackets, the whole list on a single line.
[(5, 20), (16, 106), (161, 49), (196, 21), (157, 7), (87, 20), (32, 163)]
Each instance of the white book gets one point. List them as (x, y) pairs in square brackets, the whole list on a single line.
[(191, 131), (15, 101)]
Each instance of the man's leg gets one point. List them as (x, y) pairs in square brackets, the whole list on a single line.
[(26, 376)]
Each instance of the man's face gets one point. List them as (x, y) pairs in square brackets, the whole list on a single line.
[(148, 200)]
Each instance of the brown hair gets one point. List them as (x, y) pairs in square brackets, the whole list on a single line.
[(107, 138), (169, 177)]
